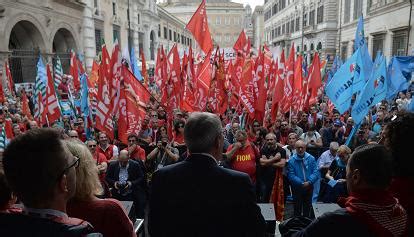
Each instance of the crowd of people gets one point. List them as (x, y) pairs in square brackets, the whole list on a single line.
[(195, 172)]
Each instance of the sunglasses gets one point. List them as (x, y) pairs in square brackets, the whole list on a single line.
[(92, 146), (132, 140), (75, 164), (181, 125)]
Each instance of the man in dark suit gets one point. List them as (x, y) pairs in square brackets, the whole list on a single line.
[(126, 178), (196, 197)]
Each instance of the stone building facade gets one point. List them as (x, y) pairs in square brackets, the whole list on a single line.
[(225, 18), (386, 25), (258, 27), (311, 25)]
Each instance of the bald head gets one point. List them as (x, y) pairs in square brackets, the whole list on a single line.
[(300, 146)]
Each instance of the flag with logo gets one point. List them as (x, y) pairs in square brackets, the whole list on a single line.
[(374, 91), (198, 26), (39, 94), (359, 34)]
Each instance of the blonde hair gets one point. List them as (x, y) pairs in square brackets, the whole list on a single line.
[(344, 149), (87, 180)]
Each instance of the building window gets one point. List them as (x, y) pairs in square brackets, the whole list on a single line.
[(95, 5), (274, 9), (344, 51), (319, 46), (116, 34), (312, 17), (159, 30), (218, 20), (377, 44), (227, 37), (287, 27), (292, 26), (113, 8), (297, 24), (305, 19), (399, 42), (175, 36), (319, 18), (165, 33), (357, 9), (236, 21), (283, 28), (226, 20), (98, 40), (139, 19), (347, 11), (170, 35)]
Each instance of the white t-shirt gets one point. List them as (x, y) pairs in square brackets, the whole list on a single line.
[(307, 138)]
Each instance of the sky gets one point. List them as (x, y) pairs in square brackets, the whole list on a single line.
[(252, 3)]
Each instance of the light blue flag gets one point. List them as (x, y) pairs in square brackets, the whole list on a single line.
[(411, 106), (40, 87), (352, 133), (374, 91), (134, 66), (400, 72), (337, 63), (359, 34), (363, 69), (84, 95), (339, 89), (84, 105)]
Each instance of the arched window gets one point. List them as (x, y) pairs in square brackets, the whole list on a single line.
[(319, 46)]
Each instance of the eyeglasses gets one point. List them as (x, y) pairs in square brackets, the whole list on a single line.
[(181, 125), (74, 164), (73, 136), (132, 140), (92, 146)]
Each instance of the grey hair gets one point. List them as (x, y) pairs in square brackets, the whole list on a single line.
[(334, 145), (201, 132)]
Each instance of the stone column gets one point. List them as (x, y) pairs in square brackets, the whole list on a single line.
[(146, 44), (88, 26)]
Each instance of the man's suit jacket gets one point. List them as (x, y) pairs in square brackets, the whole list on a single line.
[(196, 197), (135, 174)]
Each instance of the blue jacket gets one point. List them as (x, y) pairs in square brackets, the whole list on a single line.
[(297, 167)]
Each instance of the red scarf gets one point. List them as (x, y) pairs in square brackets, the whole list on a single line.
[(379, 211)]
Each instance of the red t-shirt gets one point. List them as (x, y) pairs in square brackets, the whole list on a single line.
[(108, 152), (107, 216), (137, 154), (100, 158), (244, 160), (179, 138)]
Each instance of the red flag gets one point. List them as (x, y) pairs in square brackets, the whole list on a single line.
[(262, 94), (314, 80), (25, 105), (9, 77), (242, 44), (94, 76), (52, 109), (74, 70), (144, 69), (202, 84), (279, 85), (133, 100), (174, 89), (8, 128), (218, 99), (103, 115), (115, 79), (2, 98), (288, 90), (247, 88), (297, 84), (188, 99), (198, 26)]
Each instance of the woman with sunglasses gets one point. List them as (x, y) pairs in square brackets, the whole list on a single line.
[(106, 215), (178, 141)]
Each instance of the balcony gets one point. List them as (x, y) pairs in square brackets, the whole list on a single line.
[(309, 31)]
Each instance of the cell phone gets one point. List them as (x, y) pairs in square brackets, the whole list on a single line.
[(77, 124), (312, 140)]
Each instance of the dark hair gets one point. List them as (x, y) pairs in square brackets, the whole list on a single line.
[(32, 163), (263, 132), (398, 134), (133, 135), (5, 191), (374, 162), (177, 123)]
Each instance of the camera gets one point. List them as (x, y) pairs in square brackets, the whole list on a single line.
[(360, 132), (164, 144), (122, 185)]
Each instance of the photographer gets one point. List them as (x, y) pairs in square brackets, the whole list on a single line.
[(163, 154)]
